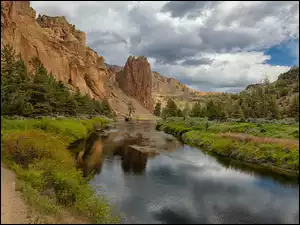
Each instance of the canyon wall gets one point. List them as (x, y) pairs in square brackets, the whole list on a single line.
[(136, 80), (60, 47)]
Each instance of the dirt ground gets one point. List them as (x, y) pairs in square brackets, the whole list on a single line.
[(14, 210), (13, 207)]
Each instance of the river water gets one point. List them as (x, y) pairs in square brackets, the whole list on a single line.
[(182, 184)]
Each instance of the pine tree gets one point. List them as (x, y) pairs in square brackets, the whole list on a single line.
[(197, 110), (293, 109), (187, 110), (212, 110), (157, 110), (273, 108), (131, 108), (8, 65), (39, 93), (171, 109)]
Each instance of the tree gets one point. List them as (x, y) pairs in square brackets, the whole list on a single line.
[(238, 113), (187, 110), (293, 108), (39, 93), (197, 110), (212, 110), (273, 108), (171, 110), (131, 108), (266, 81), (8, 65), (157, 110)]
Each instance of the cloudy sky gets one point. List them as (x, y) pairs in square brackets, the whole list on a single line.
[(211, 46)]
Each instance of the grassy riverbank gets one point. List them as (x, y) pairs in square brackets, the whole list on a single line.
[(36, 149), (274, 146)]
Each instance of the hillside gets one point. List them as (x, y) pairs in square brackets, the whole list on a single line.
[(63, 51), (284, 88), (164, 87), (276, 100)]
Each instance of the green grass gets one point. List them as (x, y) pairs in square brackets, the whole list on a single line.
[(67, 128), (260, 130), (37, 151), (279, 155)]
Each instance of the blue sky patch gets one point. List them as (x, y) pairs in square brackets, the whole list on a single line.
[(284, 54)]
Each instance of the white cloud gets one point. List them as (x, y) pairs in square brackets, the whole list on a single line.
[(225, 38)]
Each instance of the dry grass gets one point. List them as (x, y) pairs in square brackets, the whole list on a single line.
[(293, 144)]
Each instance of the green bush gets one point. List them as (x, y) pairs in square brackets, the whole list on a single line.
[(43, 163), (268, 154), (38, 93)]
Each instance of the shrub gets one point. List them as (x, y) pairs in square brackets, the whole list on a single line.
[(44, 163)]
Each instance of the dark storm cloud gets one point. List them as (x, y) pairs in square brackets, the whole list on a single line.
[(249, 15), (184, 8), (159, 40), (217, 40), (169, 35), (197, 62), (105, 38), (242, 82)]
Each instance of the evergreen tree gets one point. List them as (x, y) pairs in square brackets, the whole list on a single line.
[(39, 93), (187, 110), (197, 110), (157, 110), (131, 108), (212, 110), (171, 109), (273, 108), (293, 109)]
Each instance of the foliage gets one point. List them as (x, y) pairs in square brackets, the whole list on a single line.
[(157, 110), (273, 145), (38, 93), (171, 109), (198, 110), (276, 100), (131, 108), (270, 154), (50, 180), (187, 110), (67, 128)]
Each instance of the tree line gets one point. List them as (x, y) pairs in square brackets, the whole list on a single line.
[(37, 92), (260, 101)]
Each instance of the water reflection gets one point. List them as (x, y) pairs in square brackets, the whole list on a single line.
[(132, 161), (96, 146), (185, 185)]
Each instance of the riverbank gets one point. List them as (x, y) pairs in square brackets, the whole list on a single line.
[(273, 146), (36, 150)]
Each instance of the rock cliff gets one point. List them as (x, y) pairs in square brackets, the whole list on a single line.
[(61, 48), (63, 51), (136, 80)]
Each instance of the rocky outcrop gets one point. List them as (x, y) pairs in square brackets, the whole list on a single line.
[(60, 47), (63, 51), (136, 80)]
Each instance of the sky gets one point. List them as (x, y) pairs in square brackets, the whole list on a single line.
[(210, 46)]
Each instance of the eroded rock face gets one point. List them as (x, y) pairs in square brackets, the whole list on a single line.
[(136, 80), (60, 47)]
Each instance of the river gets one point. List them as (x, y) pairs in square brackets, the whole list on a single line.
[(181, 184)]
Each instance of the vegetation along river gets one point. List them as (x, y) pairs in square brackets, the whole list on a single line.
[(153, 178)]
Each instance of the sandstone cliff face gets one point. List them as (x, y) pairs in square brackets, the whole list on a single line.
[(63, 51), (61, 48), (136, 80)]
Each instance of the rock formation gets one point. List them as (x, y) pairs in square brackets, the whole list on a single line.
[(61, 48), (63, 51), (136, 80)]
